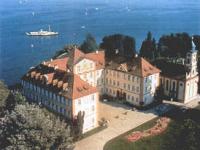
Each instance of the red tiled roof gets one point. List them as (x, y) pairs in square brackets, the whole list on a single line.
[(98, 57), (81, 88), (61, 82), (58, 63), (136, 66), (147, 68)]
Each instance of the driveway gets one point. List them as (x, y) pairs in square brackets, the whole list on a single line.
[(121, 119)]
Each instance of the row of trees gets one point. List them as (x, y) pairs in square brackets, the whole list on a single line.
[(122, 44), (27, 126), (173, 45)]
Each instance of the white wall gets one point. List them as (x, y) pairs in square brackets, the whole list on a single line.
[(88, 104), (150, 85)]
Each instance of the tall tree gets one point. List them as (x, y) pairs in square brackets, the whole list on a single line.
[(78, 125), (118, 44), (89, 45), (148, 48), (197, 42)]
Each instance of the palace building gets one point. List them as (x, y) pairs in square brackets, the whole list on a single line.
[(180, 80), (68, 85), (134, 80), (73, 84)]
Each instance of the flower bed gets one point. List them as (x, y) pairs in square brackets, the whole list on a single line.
[(160, 126)]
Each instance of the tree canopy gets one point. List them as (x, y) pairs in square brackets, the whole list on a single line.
[(27, 126), (148, 48), (4, 93), (122, 44), (64, 52), (175, 45), (89, 44)]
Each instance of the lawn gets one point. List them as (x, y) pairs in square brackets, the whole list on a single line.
[(161, 141)]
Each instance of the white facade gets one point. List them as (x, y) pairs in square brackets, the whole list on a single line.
[(88, 104), (88, 72), (150, 85), (183, 89), (49, 99), (131, 88)]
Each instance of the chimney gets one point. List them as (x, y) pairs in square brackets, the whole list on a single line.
[(51, 59), (44, 63), (97, 51)]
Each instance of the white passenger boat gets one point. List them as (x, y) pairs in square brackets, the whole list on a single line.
[(42, 33)]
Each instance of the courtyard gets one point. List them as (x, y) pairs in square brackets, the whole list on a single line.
[(121, 118), (183, 120)]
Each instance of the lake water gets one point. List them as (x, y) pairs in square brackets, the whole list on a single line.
[(73, 19)]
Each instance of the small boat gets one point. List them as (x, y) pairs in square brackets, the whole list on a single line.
[(42, 33)]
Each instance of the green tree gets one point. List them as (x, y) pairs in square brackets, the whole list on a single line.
[(78, 125), (148, 48), (89, 45), (197, 42), (4, 93), (122, 44), (159, 95), (28, 126), (64, 52), (184, 135), (175, 45)]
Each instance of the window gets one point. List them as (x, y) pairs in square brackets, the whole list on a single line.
[(138, 89), (133, 88), (79, 101), (124, 76), (188, 60), (93, 108), (174, 85), (78, 68), (129, 77), (117, 83), (128, 97), (137, 80), (124, 85), (129, 87), (117, 74), (132, 98), (113, 92), (106, 80), (167, 85), (133, 78), (92, 97), (114, 82)]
